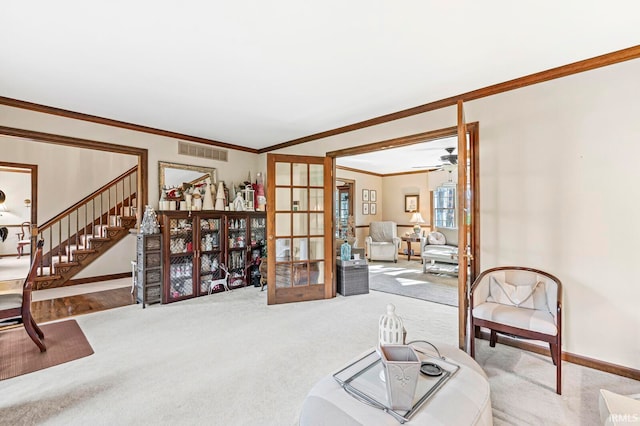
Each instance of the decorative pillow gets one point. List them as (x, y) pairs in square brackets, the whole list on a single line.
[(436, 238), (522, 296)]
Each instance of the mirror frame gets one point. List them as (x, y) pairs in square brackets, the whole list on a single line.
[(162, 165)]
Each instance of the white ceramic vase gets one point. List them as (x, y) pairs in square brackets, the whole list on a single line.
[(207, 203)]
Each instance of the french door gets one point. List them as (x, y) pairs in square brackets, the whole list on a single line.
[(467, 228), (299, 227)]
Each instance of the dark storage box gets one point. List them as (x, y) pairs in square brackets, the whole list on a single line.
[(353, 278)]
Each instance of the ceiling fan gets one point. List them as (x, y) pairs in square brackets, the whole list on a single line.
[(449, 161)]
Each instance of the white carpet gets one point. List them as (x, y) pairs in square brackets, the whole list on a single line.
[(229, 359)]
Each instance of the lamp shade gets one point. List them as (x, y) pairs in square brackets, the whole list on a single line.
[(416, 218)]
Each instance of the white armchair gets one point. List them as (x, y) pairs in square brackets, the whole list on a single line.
[(518, 301), (383, 242)]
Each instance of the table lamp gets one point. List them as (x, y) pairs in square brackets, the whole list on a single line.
[(417, 219)]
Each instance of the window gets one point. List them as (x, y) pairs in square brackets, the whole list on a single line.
[(444, 205)]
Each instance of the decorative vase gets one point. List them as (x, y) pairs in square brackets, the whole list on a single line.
[(220, 197), (207, 203), (401, 369), (345, 251)]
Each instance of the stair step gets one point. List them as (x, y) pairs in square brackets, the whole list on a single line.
[(45, 273), (65, 264), (84, 239), (73, 248), (99, 239), (83, 251), (59, 259)]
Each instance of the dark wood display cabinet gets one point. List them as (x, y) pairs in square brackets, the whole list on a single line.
[(201, 246), (193, 253), (245, 246)]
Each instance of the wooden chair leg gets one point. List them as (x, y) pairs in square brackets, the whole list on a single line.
[(553, 348), (36, 328), (472, 340), (28, 325), (493, 339), (556, 356)]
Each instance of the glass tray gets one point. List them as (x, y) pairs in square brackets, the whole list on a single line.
[(364, 380)]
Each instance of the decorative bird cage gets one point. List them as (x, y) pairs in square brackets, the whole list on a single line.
[(391, 329)]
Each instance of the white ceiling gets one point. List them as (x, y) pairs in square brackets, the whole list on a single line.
[(418, 157), (257, 73)]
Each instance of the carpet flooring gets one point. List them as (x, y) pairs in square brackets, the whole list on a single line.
[(65, 342), (230, 359), (406, 279)]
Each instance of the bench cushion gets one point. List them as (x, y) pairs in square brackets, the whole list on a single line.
[(527, 319)]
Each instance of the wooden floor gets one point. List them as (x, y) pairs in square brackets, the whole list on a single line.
[(49, 310)]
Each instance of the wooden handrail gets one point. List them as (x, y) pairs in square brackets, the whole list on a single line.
[(86, 199)]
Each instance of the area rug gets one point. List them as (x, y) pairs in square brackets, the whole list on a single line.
[(65, 342), (408, 280)]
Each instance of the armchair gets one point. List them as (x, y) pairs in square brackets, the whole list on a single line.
[(521, 302), (383, 242)]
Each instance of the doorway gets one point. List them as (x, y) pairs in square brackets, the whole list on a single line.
[(443, 139), (18, 213), (344, 208)]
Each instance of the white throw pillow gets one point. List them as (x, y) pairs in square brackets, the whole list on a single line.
[(618, 409), (522, 296), (436, 238)]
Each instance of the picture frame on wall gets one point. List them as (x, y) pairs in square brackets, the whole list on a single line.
[(373, 197), (411, 203), (365, 208), (365, 195), (373, 209)]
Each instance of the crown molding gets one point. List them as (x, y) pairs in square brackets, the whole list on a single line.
[(528, 80), (16, 103)]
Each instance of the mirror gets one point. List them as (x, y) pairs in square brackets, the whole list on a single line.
[(174, 174)]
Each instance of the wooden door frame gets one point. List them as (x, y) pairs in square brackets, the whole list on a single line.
[(474, 144)]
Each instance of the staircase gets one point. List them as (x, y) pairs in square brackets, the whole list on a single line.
[(83, 232)]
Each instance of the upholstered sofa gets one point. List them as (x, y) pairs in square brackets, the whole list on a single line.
[(383, 242), (441, 245)]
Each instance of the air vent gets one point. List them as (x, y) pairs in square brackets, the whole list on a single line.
[(201, 151)]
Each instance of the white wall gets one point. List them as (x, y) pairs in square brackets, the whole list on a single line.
[(160, 148), (363, 181), (559, 176), (65, 174), (558, 173)]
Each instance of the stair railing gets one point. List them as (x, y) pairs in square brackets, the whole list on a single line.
[(87, 219)]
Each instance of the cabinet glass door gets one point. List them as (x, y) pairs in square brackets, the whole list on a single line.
[(257, 249), (237, 250), (210, 236), (181, 252)]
